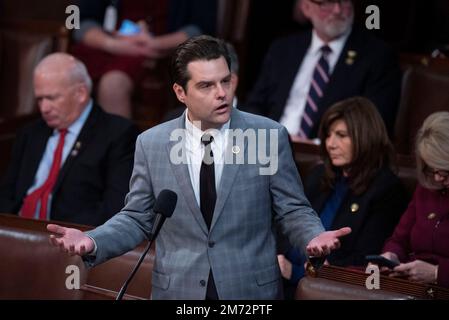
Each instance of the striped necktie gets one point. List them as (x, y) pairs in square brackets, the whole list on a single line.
[(319, 82)]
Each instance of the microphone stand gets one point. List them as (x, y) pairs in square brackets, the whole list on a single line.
[(125, 285), (157, 225)]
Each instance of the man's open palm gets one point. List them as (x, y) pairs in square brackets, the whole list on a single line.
[(325, 242), (69, 240)]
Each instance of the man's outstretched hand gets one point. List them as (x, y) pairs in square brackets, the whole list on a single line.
[(69, 240), (325, 242)]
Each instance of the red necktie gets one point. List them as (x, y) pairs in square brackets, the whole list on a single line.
[(43, 192)]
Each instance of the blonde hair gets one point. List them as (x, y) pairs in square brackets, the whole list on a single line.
[(432, 146)]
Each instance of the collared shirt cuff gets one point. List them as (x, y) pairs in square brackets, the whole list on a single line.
[(94, 252)]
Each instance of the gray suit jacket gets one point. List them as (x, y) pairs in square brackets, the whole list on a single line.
[(240, 247)]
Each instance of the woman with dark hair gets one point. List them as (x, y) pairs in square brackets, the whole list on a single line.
[(420, 242), (354, 186)]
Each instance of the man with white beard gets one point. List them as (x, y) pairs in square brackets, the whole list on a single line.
[(306, 73)]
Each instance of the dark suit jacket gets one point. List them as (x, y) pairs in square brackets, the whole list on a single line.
[(91, 185), (374, 74), (379, 210)]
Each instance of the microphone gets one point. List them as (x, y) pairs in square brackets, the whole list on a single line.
[(163, 208)]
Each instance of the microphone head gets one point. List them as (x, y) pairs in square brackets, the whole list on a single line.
[(165, 203)]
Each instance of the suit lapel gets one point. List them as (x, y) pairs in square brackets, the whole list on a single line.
[(34, 155), (181, 173), (81, 142), (229, 170), (341, 72)]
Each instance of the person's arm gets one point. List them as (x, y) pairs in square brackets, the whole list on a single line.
[(127, 229), (122, 232), (418, 271), (96, 38), (293, 213), (71, 241), (134, 45)]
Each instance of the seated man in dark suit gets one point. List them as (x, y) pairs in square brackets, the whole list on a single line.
[(74, 164), (304, 74)]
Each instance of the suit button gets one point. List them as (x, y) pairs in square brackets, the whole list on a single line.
[(211, 244), (202, 283)]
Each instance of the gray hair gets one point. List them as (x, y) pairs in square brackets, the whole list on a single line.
[(432, 146), (75, 70), (79, 73)]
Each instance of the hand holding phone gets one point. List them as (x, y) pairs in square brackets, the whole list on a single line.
[(381, 261)]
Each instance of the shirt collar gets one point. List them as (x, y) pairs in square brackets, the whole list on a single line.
[(194, 133), (76, 126)]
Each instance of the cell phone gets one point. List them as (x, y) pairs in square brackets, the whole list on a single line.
[(128, 28), (381, 261)]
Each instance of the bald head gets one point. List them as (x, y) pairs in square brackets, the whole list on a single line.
[(62, 89), (65, 66)]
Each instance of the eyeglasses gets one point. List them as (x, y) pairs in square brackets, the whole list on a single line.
[(328, 5), (430, 172)]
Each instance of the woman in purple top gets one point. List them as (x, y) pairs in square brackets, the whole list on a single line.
[(420, 241)]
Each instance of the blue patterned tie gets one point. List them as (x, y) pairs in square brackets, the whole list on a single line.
[(320, 79)]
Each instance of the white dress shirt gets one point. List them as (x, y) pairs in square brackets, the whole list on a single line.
[(296, 101), (195, 152)]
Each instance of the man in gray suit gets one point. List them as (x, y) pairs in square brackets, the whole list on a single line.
[(220, 242)]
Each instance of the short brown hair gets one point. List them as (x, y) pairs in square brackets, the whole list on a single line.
[(432, 146), (197, 48), (371, 147)]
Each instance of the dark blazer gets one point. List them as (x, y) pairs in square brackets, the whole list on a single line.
[(93, 180), (379, 210), (374, 74)]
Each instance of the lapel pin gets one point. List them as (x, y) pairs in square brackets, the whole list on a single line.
[(354, 207), (235, 149), (431, 216), (351, 54), (76, 149)]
